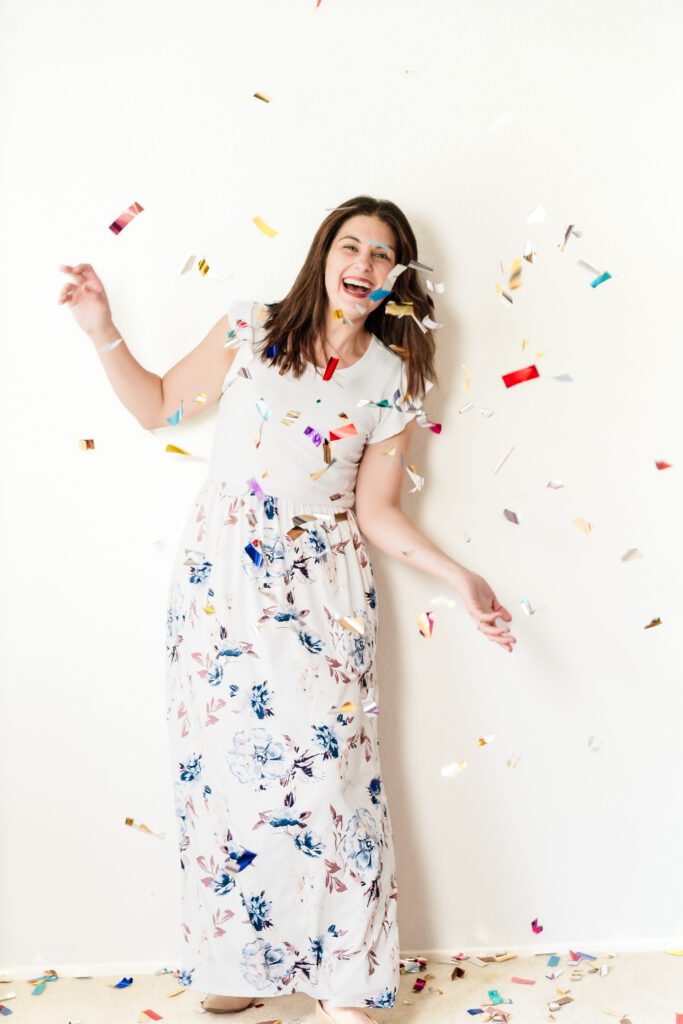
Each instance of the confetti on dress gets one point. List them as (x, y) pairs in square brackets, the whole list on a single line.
[(175, 418), (330, 368), (519, 376), (339, 433), (353, 623), (265, 228), (126, 217)]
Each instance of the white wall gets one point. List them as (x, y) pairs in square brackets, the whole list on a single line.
[(152, 103)]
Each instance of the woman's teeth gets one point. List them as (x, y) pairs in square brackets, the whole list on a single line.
[(356, 289)]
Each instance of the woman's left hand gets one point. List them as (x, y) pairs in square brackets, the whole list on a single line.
[(484, 608)]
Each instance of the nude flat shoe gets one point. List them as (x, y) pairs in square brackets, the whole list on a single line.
[(323, 1017), (228, 1009)]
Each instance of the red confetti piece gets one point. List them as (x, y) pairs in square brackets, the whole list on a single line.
[(348, 430), (126, 217), (574, 956), (518, 376), (152, 1015), (419, 984), (330, 368), (663, 465)]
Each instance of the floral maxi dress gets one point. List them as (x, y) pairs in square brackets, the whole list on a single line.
[(288, 875)]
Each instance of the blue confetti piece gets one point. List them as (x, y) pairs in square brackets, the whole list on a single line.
[(272, 350), (177, 416), (255, 555), (475, 1011), (600, 279), (495, 996), (124, 983), (553, 961), (5, 1011), (379, 293)]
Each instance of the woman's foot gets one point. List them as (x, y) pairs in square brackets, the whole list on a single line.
[(344, 1014), (226, 1004)]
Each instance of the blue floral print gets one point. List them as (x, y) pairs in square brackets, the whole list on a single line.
[(309, 843), (191, 770), (257, 757), (258, 908), (327, 740)]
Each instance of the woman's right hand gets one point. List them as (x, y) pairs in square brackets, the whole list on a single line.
[(86, 298)]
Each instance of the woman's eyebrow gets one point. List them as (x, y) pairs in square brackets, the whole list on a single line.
[(370, 241)]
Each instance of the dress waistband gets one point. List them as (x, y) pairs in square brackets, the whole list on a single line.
[(240, 489)]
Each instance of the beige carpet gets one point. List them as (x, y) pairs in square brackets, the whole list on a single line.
[(646, 988)]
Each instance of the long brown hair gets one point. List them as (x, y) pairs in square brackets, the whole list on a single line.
[(294, 323)]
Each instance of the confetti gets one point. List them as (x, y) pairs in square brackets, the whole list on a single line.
[(242, 861), (143, 828), (555, 484), (416, 478), (663, 465), (188, 263), (632, 553), (419, 984), (124, 983), (347, 430), (441, 600), (564, 378), (201, 398), (512, 517), (594, 744), (425, 623), (518, 376), (513, 761), (600, 279), (653, 622), (530, 253), (291, 416), (314, 435), (262, 96), (538, 928), (262, 226), (126, 217), (371, 708), (86, 445), (353, 623), (256, 489), (504, 295), (203, 267), (319, 472), (254, 554), (515, 279), (582, 524), (173, 448), (567, 235), (537, 216), (399, 309), (177, 416), (151, 1015), (485, 740), (468, 378), (503, 459), (453, 769), (262, 407), (111, 344), (439, 287), (330, 368)]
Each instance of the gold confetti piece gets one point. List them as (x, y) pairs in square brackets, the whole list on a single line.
[(484, 740), (567, 235), (262, 96), (525, 342), (399, 308), (201, 398), (468, 378), (319, 472), (453, 769), (336, 496), (86, 445), (390, 451), (582, 524), (515, 279), (262, 226), (514, 760), (504, 295), (291, 416), (143, 828), (209, 609), (173, 448), (632, 553), (654, 622), (203, 267), (338, 314), (399, 350), (177, 991), (353, 623)]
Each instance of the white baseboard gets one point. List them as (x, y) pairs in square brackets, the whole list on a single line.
[(121, 969)]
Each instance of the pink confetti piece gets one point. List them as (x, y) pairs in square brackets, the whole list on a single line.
[(538, 928), (523, 981), (126, 217)]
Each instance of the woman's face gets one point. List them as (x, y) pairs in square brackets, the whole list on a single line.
[(355, 255)]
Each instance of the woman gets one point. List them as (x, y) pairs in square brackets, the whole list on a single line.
[(285, 834)]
